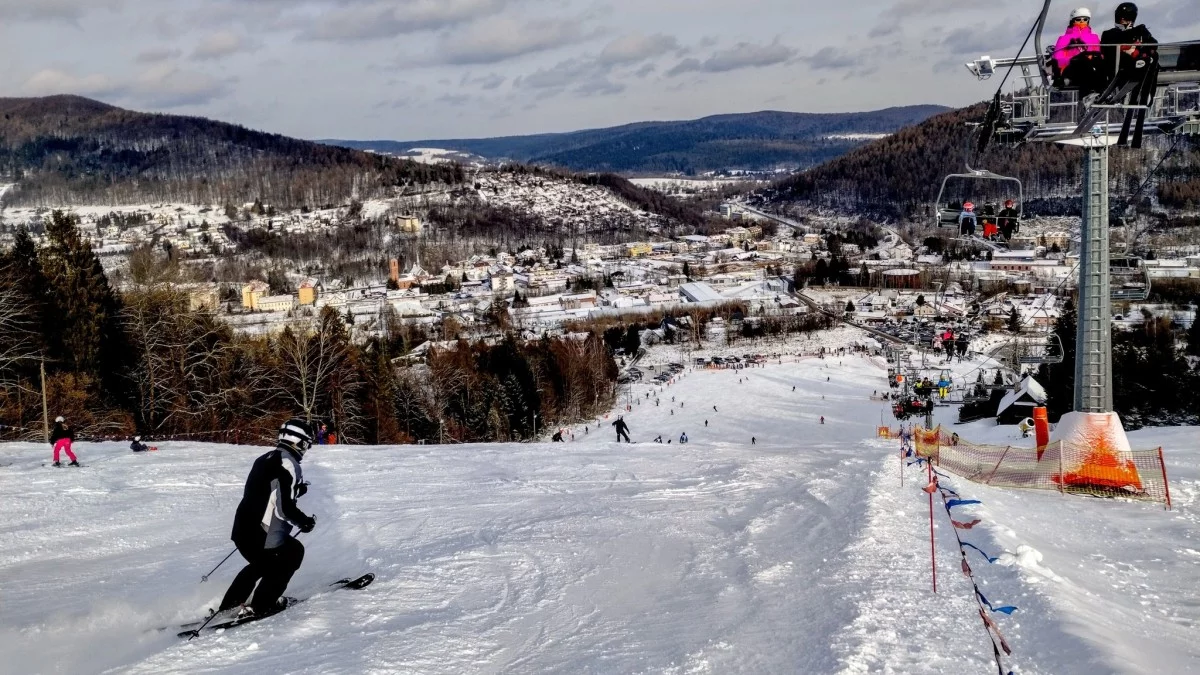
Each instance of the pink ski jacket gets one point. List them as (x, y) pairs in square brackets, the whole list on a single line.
[(1085, 41)]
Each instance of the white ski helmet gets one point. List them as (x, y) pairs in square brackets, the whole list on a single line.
[(59, 419), (1083, 12)]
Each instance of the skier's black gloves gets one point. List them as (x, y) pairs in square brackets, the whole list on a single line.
[(301, 490), (308, 525)]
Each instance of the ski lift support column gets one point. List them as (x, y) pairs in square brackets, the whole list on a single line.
[(1093, 334)]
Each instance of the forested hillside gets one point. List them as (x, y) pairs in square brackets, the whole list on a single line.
[(761, 140), (900, 175), (65, 150)]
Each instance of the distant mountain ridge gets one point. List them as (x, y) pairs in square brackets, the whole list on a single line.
[(65, 150), (752, 141)]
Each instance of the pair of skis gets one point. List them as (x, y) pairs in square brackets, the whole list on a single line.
[(1141, 83), (230, 620)]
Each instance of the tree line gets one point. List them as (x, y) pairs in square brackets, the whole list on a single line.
[(144, 361)]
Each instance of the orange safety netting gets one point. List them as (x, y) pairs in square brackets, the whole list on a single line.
[(1094, 469)]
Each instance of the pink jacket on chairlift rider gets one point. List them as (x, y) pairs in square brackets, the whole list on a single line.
[(1064, 51)]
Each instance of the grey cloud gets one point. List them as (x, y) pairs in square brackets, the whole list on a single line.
[(560, 75), (883, 30), (53, 10), (161, 86), (907, 8), (503, 39), (456, 100), (833, 58), (169, 87), (599, 87), (489, 82), (388, 19), (219, 45), (685, 66), (741, 55), (645, 70), (637, 48), (54, 81), (157, 55)]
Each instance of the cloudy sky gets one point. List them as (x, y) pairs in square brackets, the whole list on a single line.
[(410, 69)]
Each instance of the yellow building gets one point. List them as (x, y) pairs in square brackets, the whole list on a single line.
[(308, 293), (253, 292), (640, 249)]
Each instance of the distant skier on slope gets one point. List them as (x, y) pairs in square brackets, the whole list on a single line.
[(61, 438), (262, 528), (622, 429)]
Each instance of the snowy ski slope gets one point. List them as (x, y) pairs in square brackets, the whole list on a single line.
[(799, 554)]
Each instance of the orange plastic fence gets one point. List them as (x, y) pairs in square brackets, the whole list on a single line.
[(1140, 474)]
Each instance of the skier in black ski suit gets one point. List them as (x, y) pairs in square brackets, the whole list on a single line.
[(622, 430), (1136, 43), (262, 528)]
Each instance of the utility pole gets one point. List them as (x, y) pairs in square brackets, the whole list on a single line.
[(45, 408)]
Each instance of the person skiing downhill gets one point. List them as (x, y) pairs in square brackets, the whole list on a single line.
[(262, 528), (61, 438), (622, 429)]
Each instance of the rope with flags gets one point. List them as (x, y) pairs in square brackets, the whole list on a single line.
[(951, 500)]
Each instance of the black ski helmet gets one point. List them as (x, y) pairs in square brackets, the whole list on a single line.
[(1126, 10), (296, 435)]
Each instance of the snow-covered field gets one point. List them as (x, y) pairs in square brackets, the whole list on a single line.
[(800, 553)]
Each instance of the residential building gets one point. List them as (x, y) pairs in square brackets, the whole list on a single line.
[(253, 292)]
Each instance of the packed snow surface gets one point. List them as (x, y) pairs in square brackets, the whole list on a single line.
[(800, 553)]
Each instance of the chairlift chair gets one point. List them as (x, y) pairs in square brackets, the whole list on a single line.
[(1041, 106), (988, 185), (1048, 352)]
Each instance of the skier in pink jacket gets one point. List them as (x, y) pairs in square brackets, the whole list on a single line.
[(1077, 54)]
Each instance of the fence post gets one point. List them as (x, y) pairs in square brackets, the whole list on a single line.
[(1061, 478), (995, 468), (1166, 486)]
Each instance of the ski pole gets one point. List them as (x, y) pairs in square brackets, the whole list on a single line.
[(210, 573)]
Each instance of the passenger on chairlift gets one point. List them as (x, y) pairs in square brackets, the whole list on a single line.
[(966, 220), (1009, 220), (1077, 54), (1137, 50)]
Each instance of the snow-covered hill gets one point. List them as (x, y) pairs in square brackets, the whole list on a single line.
[(799, 553)]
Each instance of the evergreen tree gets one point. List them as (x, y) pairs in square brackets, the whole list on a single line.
[(26, 280), (633, 340), (1193, 335), (1059, 378), (1014, 321), (81, 307)]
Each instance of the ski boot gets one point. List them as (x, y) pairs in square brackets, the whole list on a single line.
[(74, 462), (57, 464)]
